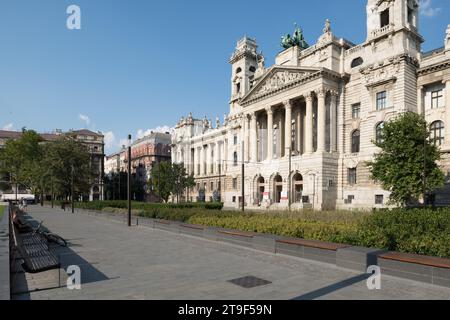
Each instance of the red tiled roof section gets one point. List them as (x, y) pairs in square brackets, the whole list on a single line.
[(86, 132), (10, 134)]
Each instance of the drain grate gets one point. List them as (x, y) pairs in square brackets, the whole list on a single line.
[(249, 282)]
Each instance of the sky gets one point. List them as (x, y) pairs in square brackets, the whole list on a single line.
[(139, 65)]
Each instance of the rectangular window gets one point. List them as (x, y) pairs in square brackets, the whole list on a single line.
[(234, 199), (356, 108), (384, 18), (381, 100), (350, 199), (235, 140), (379, 199), (351, 176), (235, 183), (437, 99), (293, 135)]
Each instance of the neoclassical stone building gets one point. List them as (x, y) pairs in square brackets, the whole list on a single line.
[(324, 105)]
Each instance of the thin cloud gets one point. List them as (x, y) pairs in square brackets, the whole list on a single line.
[(427, 9), (84, 119), (8, 127), (110, 140), (142, 133)]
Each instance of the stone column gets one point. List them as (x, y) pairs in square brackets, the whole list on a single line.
[(287, 126), (269, 133), (321, 124), (225, 156), (333, 122), (309, 124), (447, 112), (202, 160), (193, 162), (298, 123), (254, 139), (420, 102), (216, 157)]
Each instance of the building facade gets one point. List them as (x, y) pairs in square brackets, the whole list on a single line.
[(145, 153), (305, 126), (94, 141)]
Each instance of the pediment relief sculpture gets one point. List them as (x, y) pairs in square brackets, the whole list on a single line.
[(278, 80)]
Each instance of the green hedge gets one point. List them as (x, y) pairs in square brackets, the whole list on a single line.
[(421, 231), (333, 231), (100, 205)]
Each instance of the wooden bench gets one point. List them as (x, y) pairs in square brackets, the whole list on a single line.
[(33, 250), (417, 259), (192, 226), (315, 244), (237, 233)]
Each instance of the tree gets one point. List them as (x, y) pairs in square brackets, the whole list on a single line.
[(21, 161), (161, 181), (168, 178), (67, 159), (407, 164)]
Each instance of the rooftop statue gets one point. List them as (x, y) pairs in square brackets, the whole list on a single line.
[(297, 39)]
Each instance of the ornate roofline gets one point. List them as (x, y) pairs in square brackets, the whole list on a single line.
[(433, 68)]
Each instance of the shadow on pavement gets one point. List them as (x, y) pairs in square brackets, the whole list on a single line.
[(23, 283), (332, 288)]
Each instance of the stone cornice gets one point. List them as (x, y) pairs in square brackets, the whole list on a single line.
[(433, 68)]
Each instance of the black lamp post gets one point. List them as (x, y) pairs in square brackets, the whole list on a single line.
[(129, 180), (243, 183), (73, 189)]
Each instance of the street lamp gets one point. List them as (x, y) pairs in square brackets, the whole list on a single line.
[(129, 180), (243, 193), (73, 188), (289, 178)]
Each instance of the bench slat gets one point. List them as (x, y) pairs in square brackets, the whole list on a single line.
[(418, 259), (315, 244)]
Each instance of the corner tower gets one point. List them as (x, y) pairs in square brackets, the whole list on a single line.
[(244, 63), (395, 18)]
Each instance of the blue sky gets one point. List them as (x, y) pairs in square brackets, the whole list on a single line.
[(138, 65)]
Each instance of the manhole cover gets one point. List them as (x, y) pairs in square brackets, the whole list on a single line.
[(249, 282)]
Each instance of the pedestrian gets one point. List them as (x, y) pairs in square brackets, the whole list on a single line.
[(24, 204), (63, 205)]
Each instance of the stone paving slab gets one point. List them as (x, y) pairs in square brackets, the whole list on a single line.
[(145, 263)]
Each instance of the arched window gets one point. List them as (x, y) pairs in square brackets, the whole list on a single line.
[(357, 62), (378, 133), (235, 159), (277, 188), (355, 141), (238, 70), (437, 133), (297, 187)]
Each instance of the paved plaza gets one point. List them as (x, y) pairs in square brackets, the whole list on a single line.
[(120, 262)]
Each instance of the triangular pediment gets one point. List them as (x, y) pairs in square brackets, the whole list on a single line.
[(278, 78)]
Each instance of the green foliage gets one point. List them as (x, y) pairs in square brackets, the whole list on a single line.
[(66, 159), (170, 178), (122, 204), (161, 180), (40, 166), (407, 164), (21, 161), (422, 231)]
